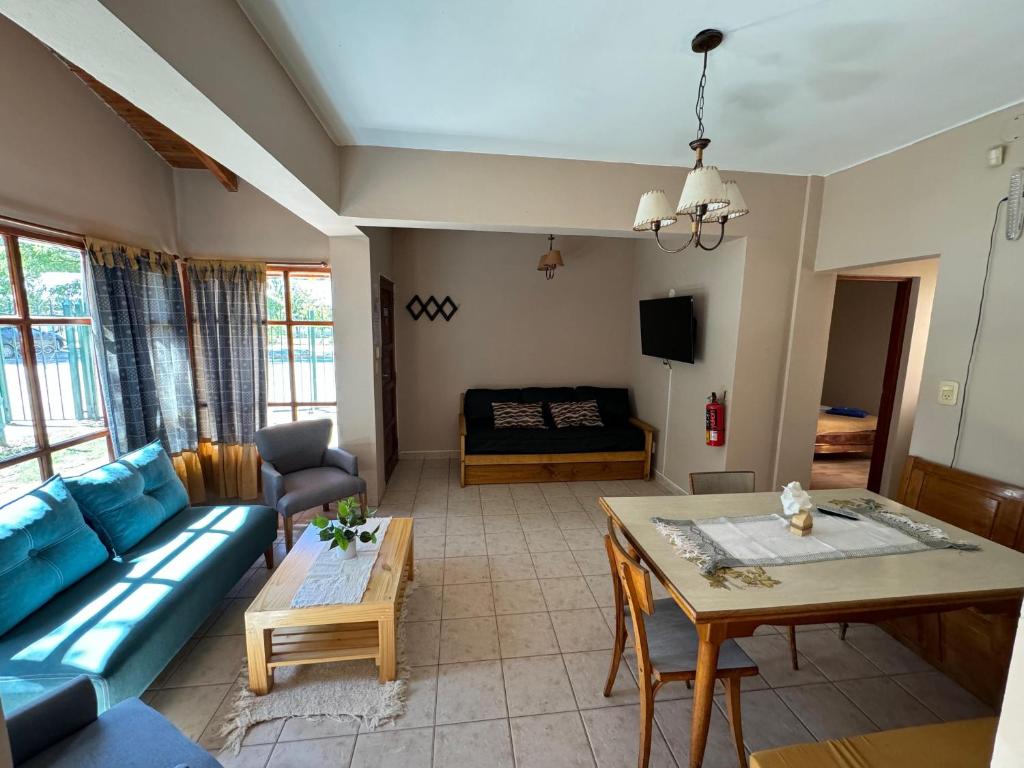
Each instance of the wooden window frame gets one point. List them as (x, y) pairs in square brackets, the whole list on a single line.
[(287, 271), (43, 452)]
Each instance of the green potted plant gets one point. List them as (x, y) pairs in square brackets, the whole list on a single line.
[(343, 532)]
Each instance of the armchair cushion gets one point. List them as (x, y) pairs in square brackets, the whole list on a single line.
[(294, 446), (47, 720), (320, 485), (336, 457), (45, 547), (130, 735)]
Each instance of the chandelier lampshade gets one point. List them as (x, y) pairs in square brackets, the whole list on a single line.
[(737, 205), (706, 199), (653, 212), (703, 186), (551, 260)]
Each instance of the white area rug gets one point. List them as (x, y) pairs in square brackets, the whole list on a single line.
[(336, 691)]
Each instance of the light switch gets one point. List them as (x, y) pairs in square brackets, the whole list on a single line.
[(948, 391)]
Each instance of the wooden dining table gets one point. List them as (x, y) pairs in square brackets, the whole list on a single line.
[(864, 589)]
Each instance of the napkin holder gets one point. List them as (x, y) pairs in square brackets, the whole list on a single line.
[(797, 506), (801, 523)]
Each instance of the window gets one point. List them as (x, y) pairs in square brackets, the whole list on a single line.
[(51, 410), (300, 346)]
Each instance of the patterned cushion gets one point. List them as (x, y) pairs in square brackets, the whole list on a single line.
[(45, 547), (583, 414), (518, 415)]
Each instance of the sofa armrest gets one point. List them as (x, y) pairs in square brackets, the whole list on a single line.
[(641, 424), (51, 718), (273, 484), (462, 425), (342, 459)]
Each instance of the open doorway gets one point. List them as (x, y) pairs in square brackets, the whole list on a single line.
[(862, 371)]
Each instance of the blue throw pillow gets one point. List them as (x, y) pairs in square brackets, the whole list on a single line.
[(45, 547), (128, 499)]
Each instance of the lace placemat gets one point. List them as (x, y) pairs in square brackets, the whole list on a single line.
[(762, 540), (334, 581)]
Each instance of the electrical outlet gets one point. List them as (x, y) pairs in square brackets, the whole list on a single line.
[(948, 391)]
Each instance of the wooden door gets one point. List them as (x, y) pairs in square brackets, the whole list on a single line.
[(387, 375), (890, 380)]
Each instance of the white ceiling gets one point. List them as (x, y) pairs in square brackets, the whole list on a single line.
[(798, 86)]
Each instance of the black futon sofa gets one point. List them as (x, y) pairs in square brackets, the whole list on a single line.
[(618, 450)]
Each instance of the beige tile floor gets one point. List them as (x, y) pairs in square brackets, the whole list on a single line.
[(509, 639)]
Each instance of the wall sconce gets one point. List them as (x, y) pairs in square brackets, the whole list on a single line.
[(551, 260)]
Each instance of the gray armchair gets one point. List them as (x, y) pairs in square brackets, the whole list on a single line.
[(62, 729), (300, 471)]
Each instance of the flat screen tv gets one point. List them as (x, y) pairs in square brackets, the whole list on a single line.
[(668, 329)]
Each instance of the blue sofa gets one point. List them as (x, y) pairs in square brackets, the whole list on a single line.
[(108, 574), (64, 729)]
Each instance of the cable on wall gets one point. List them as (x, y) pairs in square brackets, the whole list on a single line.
[(977, 331)]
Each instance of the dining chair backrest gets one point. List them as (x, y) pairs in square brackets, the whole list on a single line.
[(632, 578), (721, 482)]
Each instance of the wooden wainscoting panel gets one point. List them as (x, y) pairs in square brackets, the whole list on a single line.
[(971, 647)]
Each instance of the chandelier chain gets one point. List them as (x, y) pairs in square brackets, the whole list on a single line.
[(699, 109)]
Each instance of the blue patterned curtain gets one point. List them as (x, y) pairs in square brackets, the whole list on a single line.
[(142, 340), (229, 310)]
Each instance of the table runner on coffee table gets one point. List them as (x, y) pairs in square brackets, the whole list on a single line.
[(334, 581), (764, 540)]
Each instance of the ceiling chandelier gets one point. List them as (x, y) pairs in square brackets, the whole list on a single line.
[(551, 260), (706, 199)]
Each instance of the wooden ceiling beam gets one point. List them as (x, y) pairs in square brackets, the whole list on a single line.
[(175, 151), (226, 177)]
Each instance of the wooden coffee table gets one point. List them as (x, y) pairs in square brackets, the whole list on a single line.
[(277, 635)]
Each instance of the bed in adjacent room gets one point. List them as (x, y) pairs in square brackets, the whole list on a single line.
[(839, 433)]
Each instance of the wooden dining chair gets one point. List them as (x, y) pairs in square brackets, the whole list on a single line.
[(740, 481), (666, 645), (743, 481)]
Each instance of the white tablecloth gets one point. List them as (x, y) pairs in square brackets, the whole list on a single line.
[(764, 540)]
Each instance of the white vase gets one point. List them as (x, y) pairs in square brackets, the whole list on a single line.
[(349, 553)]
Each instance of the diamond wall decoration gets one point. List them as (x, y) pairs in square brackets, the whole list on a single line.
[(448, 308), (432, 308), (415, 307)]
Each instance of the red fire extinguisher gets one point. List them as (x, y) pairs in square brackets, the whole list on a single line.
[(714, 421)]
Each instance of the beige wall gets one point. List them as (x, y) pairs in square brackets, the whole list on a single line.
[(938, 197), (672, 400), (351, 280), (778, 233), (806, 347), (513, 327), (858, 344), (67, 161), (245, 224)]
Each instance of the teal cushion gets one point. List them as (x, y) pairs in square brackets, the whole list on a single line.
[(45, 547), (130, 498), (159, 478)]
